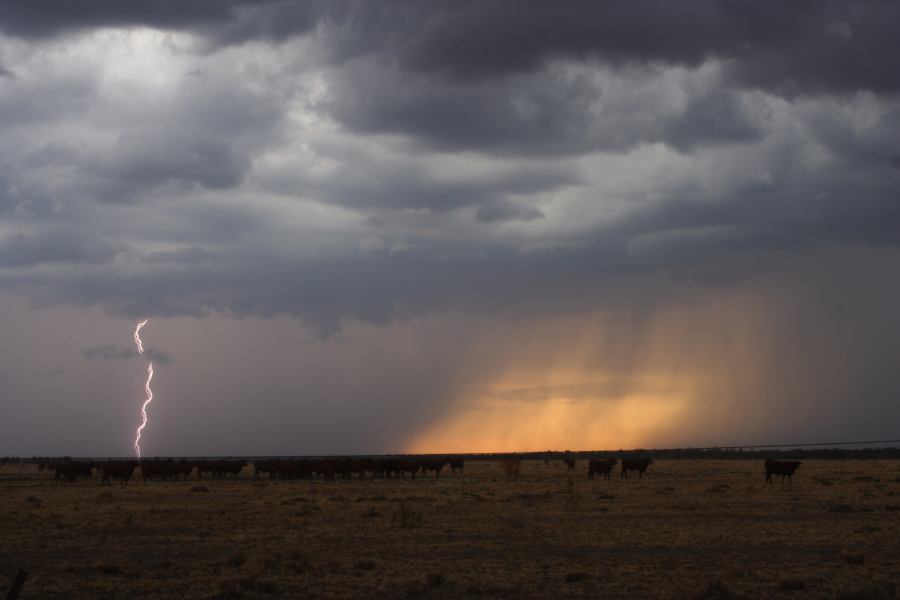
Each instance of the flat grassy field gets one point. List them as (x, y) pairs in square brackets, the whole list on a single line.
[(688, 529)]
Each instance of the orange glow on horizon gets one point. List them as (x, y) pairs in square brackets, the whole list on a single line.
[(577, 416)]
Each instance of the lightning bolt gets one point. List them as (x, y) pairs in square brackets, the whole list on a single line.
[(140, 347)]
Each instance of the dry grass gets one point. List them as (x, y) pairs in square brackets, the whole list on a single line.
[(688, 529)]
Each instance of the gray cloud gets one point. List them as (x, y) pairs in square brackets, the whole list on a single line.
[(153, 158), (112, 352), (20, 250), (799, 48)]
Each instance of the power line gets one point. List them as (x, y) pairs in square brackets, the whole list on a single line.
[(799, 445)]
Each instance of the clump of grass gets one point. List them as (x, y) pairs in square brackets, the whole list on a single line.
[(265, 564), (882, 590), (299, 561), (365, 564), (719, 488), (308, 508), (34, 501), (236, 560), (823, 481), (407, 516), (378, 498), (791, 584), (853, 558), (891, 507), (841, 508), (717, 590), (108, 569), (242, 587), (576, 576), (105, 496), (865, 478), (201, 489), (372, 513), (294, 501), (421, 587)]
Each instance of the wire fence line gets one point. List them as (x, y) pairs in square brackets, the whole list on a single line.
[(797, 445)]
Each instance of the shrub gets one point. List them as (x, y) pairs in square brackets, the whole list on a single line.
[(407, 516)]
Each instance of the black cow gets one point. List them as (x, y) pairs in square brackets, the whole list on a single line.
[(603, 467), (635, 464), (785, 468), (122, 470), (70, 471)]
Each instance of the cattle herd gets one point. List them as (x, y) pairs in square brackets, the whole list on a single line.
[(122, 471), (170, 469)]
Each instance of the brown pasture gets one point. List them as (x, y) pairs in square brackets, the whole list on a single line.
[(688, 529)]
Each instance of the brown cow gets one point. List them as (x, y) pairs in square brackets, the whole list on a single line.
[(603, 467), (785, 468), (635, 464), (570, 463)]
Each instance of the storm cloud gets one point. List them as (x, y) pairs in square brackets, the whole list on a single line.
[(445, 180)]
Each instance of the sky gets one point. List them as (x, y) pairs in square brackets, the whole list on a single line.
[(447, 226)]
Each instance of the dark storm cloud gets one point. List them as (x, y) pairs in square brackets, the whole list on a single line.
[(22, 250), (47, 18), (800, 47), (112, 352), (549, 113)]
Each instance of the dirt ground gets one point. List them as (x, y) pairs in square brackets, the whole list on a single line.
[(688, 529)]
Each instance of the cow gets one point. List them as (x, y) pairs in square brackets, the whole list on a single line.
[(603, 467), (410, 466), (570, 463), (122, 470), (456, 463), (635, 464), (785, 468), (71, 471), (511, 467), (433, 465)]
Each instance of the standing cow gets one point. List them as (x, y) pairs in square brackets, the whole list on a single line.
[(603, 467), (785, 468), (635, 464)]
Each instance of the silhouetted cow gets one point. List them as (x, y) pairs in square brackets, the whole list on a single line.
[(570, 463), (433, 465), (635, 464), (122, 470), (71, 471), (603, 467), (410, 466), (785, 468), (456, 463)]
